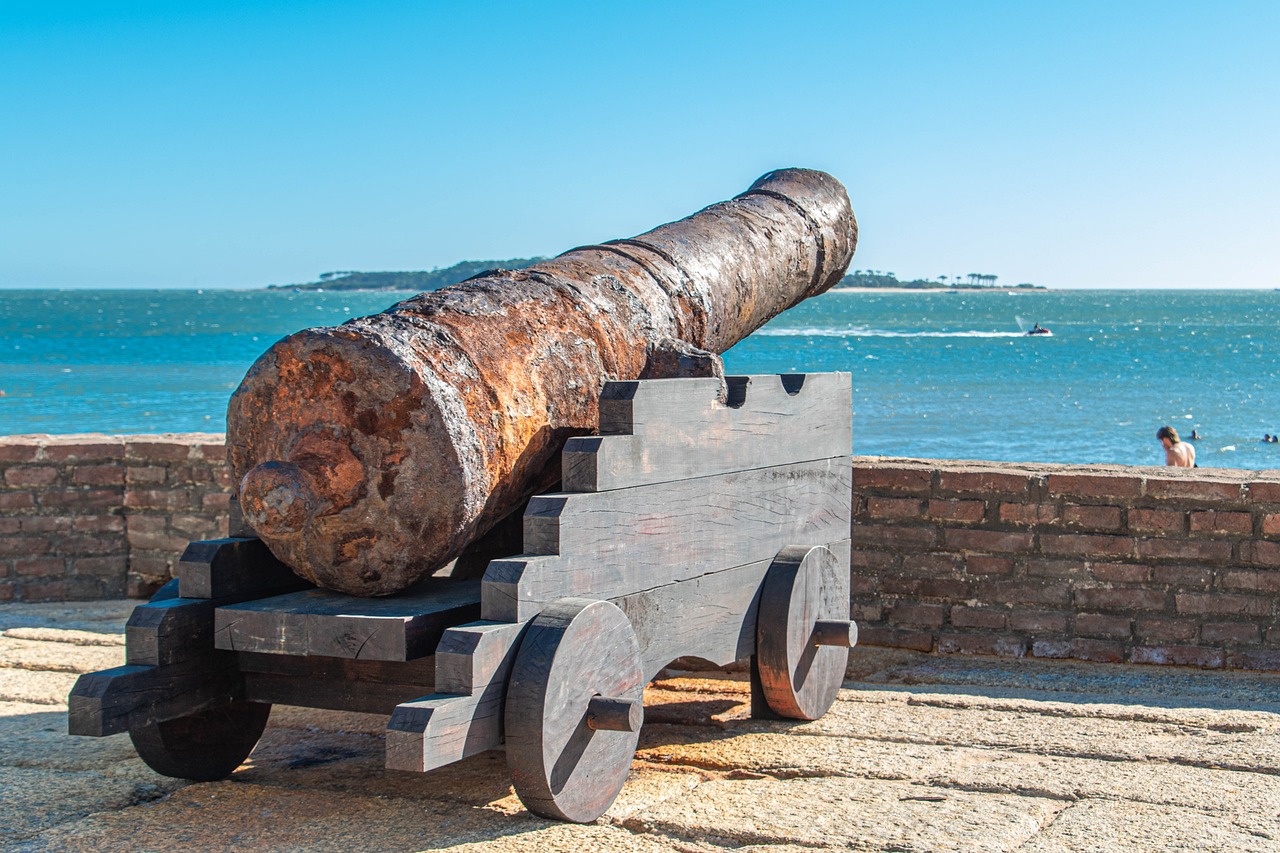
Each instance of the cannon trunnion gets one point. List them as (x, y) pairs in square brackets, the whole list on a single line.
[(708, 519)]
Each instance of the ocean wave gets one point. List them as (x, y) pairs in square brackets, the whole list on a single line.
[(879, 333)]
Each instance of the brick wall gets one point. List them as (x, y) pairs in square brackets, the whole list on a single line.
[(97, 516), (1145, 565)]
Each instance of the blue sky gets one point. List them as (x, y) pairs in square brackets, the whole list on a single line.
[(237, 144)]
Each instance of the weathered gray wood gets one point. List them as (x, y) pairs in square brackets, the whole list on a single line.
[(464, 715), (203, 747), (804, 586), (367, 686), (472, 657), (319, 622), (221, 568), (608, 544), (130, 697), (607, 714), (574, 650), (436, 730), (660, 430)]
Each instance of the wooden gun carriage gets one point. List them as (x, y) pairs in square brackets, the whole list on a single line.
[(696, 524)]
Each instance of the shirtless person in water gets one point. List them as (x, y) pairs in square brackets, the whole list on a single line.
[(1177, 453)]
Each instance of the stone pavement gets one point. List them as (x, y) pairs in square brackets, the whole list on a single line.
[(920, 753)]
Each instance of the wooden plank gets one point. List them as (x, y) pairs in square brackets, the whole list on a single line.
[(472, 657), (420, 672), (165, 632), (437, 730), (221, 568), (465, 714), (128, 697), (661, 430), (610, 544), (338, 684), (712, 617), (320, 622)]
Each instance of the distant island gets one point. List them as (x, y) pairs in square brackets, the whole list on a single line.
[(424, 280)]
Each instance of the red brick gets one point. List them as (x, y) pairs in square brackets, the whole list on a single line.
[(1120, 572), (6, 592), (1084, 544), (216, 453), (112, 565), (1182, 549), (1212, 521), (75, 451), (956, 510), (1099, 651), (1253, 581), (883, 635), (930, 565), (1014, 592), (1093, 517), (1038, 621), (23, 546), (10, 525), (80, 498), (865, 560), (159, 451), (863, 612), (987, 482), (1166, 630), (140, 586), (1157, 520), (89, 544), (1260, 552), (924, 587), (972, 617), (892, 535), (1222, 604), (151, 564), (1194, 489), (215, 501), (17, 500), (40, 566), (1095, 486), (1271, 524), (145, 475), (157, 498), (915, 614), (1024, 513), (99, 523), (18, 451), (31, 475), (982, 644), (892, 479), (1040, 568), (1179, 656), (97, 475), (863, 585), (1103, 625), (988, 540), (1230, 632), (879, 507), (1260, 659), (1196, 577), (1263, 493), (222, 478), (1051, 648), (47, 523), (978, 564), (1102, 598)]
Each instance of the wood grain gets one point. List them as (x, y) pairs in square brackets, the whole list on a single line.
[(608, 544), (221, 568), (330, 624), (661, 430), (129, 697)]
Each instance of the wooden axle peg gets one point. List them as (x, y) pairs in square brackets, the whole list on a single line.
[(607, 714), (842, 633)]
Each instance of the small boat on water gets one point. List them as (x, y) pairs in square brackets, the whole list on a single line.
[(1039, 330)]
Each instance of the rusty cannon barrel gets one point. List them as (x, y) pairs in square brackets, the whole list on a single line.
[(370, 454)]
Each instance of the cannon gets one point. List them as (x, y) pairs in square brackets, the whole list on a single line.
[(370, 454), (694, 516)]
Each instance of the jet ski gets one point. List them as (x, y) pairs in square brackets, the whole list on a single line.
[(1039, 330)]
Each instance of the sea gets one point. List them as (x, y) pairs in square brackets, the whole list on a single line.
[(936, 374)]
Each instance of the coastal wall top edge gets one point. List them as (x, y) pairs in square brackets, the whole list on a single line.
[(1233, 475)]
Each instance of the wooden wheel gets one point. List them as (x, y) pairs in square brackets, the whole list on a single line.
[(204, 746), (574, 709), (803, 633)]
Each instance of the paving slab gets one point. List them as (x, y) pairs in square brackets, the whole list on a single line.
[(919, 753)]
